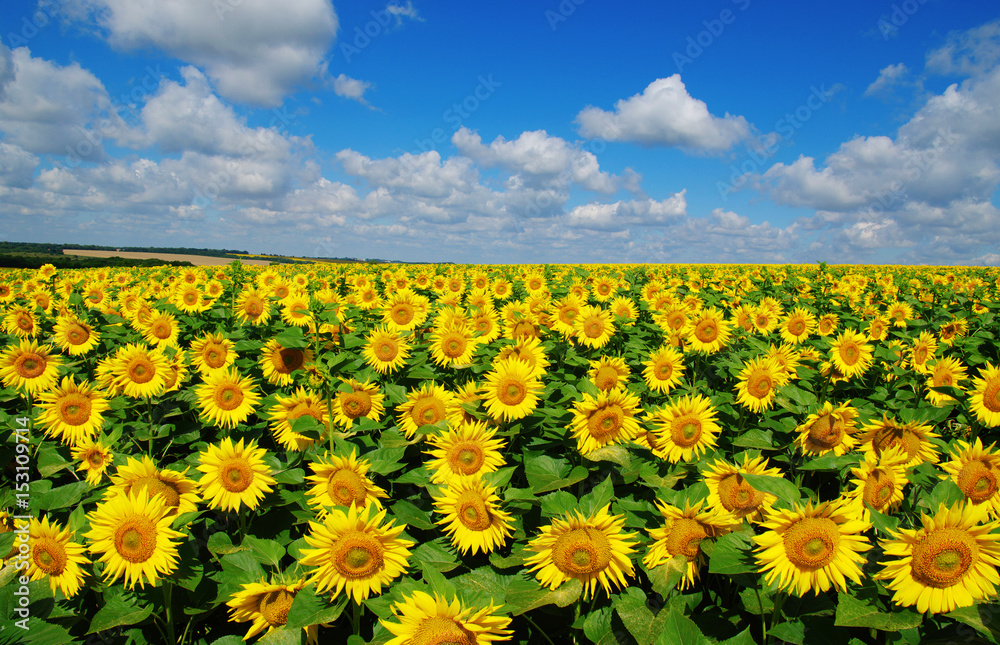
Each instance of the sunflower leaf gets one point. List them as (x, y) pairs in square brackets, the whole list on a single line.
[(731, 555), (62, 496), (117, 612), (309, 609), (853, 612), (785, 490), (665, 577), (525, 594), (547, 473)]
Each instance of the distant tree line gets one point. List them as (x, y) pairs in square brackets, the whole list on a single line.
[(57, 249), (15, 261)]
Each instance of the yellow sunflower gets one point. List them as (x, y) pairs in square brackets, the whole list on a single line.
[(468, 450), (829, 429), (564, 313), (787, 357), (226, 399), (279, 363), (851, 353), (593, 326), (473, 519), (682, 533), (952, 330), (592, 550), (608, 373), (302, 402), (923, 350), (827, 324), (253, 307), (607, 419), (385, 350), (265, 606), (429, 404), (765, 320), (405, 310), (797, 326), (812, 548), (212, 352), (511, 390), (528, 349), (355, 400), (950, 562), (945, 371), (624, 308), (976, 470), (913, 437), (343, 481), (685, 429), (355, 553), (74, 336), (985, 400), (878, 482), (139, 372), (759, 381), (54, 555), (234, 475), (432, 619), (72, 412), (707, 331), (94, 458), (453, 345), (664, 369), (133, 533), (161, 330), (295, 310), (29, 366), (180, 494), (728, 489), (20, 322)]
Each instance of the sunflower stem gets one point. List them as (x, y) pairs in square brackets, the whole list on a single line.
[(149, 412), (168, 592), (779, 598), (763, 621), (356, 618), (540, 631)]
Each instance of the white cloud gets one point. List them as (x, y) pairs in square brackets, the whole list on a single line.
[(665, 115), (969, 52), (888, 78), (351, 88), (539, 158), (399, 12), (423, 174), (623, 214), (17, 166), (255, 51)]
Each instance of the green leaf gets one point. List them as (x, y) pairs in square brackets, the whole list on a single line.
[(743, 638), (62, 496), (309, 609), (597, 627), (383, 461), (523, 595), (616, 454), (50, 461), (410, 515), (7, 543), (482, 586), (666, 576), (558, 503), (436, 554), (292, 338), (546, 473), (784, 489), (438, 583), (853, 612), (282, 636), (646, 627), (732, 555), (265, 551), (760, 439), (829, 462), (221, 544), (117, 612), (883, 523), (678, 628), (598, 498), (792, 631), (946, 493), (982, 618)]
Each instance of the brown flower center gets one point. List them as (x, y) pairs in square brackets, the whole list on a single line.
[(235, 475), (156, 486), (358, 556), (738, 495), (879, 487), (274, 606), (580, 552), (472, 511), (685, 538), (135, 539), (30, 365), (605, 423), (346, 487), (978, 480), (685, 430), (466, 457), (943, 556), (811, 543)]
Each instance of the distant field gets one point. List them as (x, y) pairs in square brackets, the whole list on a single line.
[(198, 260)]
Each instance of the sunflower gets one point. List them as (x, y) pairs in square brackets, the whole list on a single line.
[(976, 470), (211, 353), (564, 314), (624, 308), (950, 562), (878, 328), (593, 326), (708, 331), (765, 320), (952, 330), (485, 325), (286, 409), (812, 548), (787, 357), (94, 458), (923, 350), (278, 363), (56, 556), (899, 313), (797, 326), (591, 549), (511, 390), (878, 482), (682, 533), (829, 429), (851, 353), (405, 310), (295, 310), (20, 322), (343, 481), (727, 488), (180, 494), (608, 373), (472, 516), (945, 372), (226, 399), (266, 605), (759, 382), (985, 400), (133, 533), (827, 324), (429, 404), (664, 369), (71, 412), (913, 437), (684, 429), (385, 350), (252, 307), (528, 349), (73, 336), (139, 372), (29, 366), (432, 619), (742, 317), (466, 451), (161, 330), (355, 400), (355, 553), (605, 419), (234, 475), (190, 299), (453, 345)]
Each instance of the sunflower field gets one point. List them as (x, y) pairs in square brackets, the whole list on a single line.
[(548, 454)]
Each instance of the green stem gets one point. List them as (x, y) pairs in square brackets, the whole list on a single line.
[(149, 412), (763, 622), (356, 618), (537, 629), (168, 592), (779, 598)]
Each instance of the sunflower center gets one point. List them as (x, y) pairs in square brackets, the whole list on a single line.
[(236, 475), (74, 409), (214, 356), (685, 538), (664, 370), (604, 423), (428, 411), (358, 556), (796, 327), (523, 328), (386, 350), (440, 630), (738, 495), (849, 353), (811, 543), (25, 323), (141, 370), (95, 459), (977, 480), (30, 365), (156, 486), (991, 395), (254, 308), (593, 328), (135, 539), (512, 392), (583, 551), (77, 334), (466, 458), (826, 432), (888, 437), (472, 511), (402, 314), (346, 487), (760, 384), (355, 404), (228, 396), (943, 557), (606, 377), (49, 555), (879, 487), (453, 345), (685, 431)]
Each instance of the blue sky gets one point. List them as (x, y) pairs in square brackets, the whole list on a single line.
[(573, 131)]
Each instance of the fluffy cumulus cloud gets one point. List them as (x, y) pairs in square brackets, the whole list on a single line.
[(255, 51), (967, 52), (624, 214), (17, 166), (351, 88), (889, 77), (664, 114)]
